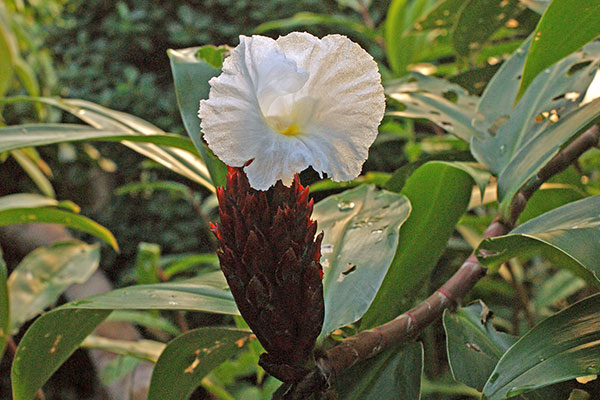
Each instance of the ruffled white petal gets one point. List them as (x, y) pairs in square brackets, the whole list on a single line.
[(292, 103)]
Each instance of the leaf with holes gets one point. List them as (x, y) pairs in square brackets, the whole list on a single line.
[(361, 235), (555, 37), (394, 374), (569, 235), (474, 346), (446, 104), (47, 344), (191, 74), (439, 194), (562, 347), (189, 357), (551, 96), (54, 336), (540, 149), (44, 274)]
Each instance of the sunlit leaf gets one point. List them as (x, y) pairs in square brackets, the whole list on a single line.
[(361, 235), (189, 357), (563, 29), (180, 161), (551, 96), (44, 274), (31, 135), (446, 104), (569, 235)]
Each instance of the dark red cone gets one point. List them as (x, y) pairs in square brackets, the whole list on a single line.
[(270, 257)]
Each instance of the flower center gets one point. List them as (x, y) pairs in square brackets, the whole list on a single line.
[(291, 130), (284, 125)]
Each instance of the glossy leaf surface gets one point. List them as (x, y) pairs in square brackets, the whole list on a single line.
[(570, 235), (562, 347), (361, 235)]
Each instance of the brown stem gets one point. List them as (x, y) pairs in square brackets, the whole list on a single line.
[(407, 326)]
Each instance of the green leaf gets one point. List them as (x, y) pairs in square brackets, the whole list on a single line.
[(25, 200), (180, 161), (539, 6), (4, 306), (191, 75), (394, 374), (555, 38), (144, 319), (146, 263), (309, 19), (361, 235), (186, 263), (540, 149), (549, 197), (557, 288), (189, 357), (54, 336), (487, 16), (8, 51), (208, 294), (562, 347), (441, 15), (32, 135), (44, 274), (148, 350), (558, 91), (372, 177), (474, 346), (444, 103), (15, 216), (117, 369), (569, 235), (401, 45), (47, 344), (35, 173), (439, 194)]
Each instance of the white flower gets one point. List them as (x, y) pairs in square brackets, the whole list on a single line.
[(294, 102)]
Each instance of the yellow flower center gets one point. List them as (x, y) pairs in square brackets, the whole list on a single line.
[(291, 130)]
